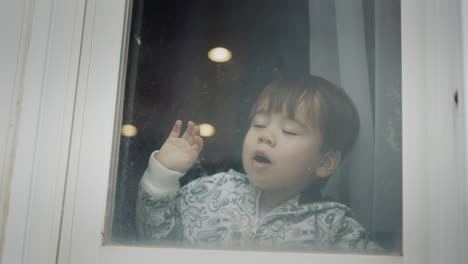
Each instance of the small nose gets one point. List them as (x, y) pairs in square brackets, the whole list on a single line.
[(266, 138)]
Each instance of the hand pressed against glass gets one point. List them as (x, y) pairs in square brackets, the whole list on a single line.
[(179, 153)]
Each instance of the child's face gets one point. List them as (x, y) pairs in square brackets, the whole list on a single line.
[(281, 154)]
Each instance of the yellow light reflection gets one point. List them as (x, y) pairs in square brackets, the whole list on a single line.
[(129, 130), (219, 54), (207, 130)]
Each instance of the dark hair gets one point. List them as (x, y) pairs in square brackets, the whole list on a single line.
[(337, 115)]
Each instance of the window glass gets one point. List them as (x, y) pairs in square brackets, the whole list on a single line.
[(285, 176)]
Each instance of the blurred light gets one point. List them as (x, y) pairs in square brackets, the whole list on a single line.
[(207, 130), (129, 130), (219, 54)]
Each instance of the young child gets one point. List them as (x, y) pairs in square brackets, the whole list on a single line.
[(301, 128)]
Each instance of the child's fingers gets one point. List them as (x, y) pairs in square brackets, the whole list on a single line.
[(175, 132), (196, 130), (197, 140), (197, 143), (188, 134)]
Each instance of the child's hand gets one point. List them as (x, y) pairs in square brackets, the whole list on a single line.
[(179, 153)]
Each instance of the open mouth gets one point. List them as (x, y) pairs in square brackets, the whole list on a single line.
[(261, 158)]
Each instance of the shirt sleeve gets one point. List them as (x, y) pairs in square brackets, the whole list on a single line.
[(157, 214)]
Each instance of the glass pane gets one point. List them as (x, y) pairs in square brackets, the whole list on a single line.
[(311, 163)]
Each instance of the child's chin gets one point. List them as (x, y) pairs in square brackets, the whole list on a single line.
[(258, 181)]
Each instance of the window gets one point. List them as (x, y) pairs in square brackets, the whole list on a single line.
[(90, 163), (170, 75)]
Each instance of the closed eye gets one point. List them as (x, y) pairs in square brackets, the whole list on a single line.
[(290, 133), (258, 125)]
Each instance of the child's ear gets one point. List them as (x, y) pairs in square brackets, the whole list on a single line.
[(330, 161)]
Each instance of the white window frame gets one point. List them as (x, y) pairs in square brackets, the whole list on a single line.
[(62, 158)]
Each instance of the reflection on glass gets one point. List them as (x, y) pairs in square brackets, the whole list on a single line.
[(219, 54), (129, 130), (263, 169), (207, 130)]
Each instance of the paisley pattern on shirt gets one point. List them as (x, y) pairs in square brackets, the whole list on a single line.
[(222, 211)]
